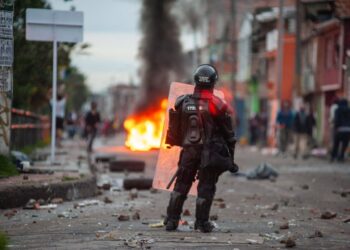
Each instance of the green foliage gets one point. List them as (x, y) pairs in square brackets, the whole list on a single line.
[(7, 168), (32, 66), (3, 241)]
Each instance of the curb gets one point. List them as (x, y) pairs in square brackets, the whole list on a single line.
[(17, 196)]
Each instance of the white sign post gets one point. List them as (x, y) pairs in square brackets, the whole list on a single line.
[(55, 26)]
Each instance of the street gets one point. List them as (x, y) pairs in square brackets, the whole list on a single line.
[(249, 213)]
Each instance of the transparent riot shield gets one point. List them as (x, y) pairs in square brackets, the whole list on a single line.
[(168, 157)]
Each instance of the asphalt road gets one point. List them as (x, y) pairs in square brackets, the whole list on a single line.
[(249, 213)]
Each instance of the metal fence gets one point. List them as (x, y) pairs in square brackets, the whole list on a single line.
[(28, 129)]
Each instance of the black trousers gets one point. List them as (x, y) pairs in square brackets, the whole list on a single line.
[(189, 164), (340, 139)]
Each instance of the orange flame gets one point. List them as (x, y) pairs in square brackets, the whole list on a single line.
[(144, 131)]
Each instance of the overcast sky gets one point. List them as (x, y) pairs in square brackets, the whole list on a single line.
[(111, 27)]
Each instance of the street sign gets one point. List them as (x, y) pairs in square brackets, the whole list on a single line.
[(55, 26), (6, 21), (5, 79)]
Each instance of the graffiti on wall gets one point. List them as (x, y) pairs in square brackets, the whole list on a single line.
[(4, 118)]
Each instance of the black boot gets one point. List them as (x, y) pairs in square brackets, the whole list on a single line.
[(174, 211), (202, 215)]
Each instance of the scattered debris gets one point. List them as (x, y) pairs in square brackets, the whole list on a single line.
[(106, 186), (261, 172), (213, 217), (289, 242), (347, 220), (107, 200), (222, 205), (156, 225), (123, 217), (219, 199), (48, 206), (140, 183), (32, 204), (251, 241), (316, 234), (136, 216), (274, 207), (67, 214), (305, 187), (272, 236), (328, 215), (88, 203), (10, 214), (133, 194), (186, 212), (57, 201), (284, 225), (343, 193)]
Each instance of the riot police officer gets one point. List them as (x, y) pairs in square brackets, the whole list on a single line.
[(201, 124)]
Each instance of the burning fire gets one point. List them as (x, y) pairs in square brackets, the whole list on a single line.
[(144, 131)]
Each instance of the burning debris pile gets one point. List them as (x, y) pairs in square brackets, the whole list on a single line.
[(162, 62), (144, 131)]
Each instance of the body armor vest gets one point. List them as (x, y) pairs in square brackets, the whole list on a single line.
[(194, 120)]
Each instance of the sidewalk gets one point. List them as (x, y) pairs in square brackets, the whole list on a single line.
[(70, 178)]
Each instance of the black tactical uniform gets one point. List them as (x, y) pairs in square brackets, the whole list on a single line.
[(201, 125)]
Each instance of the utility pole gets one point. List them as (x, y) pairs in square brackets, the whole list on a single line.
[(6, 75), (280, 51)]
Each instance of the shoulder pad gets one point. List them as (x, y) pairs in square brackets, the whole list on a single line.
[(179, 101), (219, 104)]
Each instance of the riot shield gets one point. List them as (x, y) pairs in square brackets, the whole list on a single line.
[(168, 157)]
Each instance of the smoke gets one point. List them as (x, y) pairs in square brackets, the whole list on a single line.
[(160, 51)]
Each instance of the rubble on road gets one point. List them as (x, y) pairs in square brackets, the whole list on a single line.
[(48, 206), (289, 242), (328, 215), (136, 216), (86, 203), (10, 214), (133, 194), (284, 226), (343, 193), (347, 220), (316, 234), (213, 217), (107, 200), (156, 225), (123, 217)]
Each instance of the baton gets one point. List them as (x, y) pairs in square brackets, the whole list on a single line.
[(173, 178)]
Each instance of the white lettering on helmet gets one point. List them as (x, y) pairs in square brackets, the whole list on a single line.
[(204, 79)]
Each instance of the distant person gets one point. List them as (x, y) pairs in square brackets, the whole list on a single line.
[(71, 122), (60, 115), (303, 127), (341, 130), (285, 125), (262, 118), (92, 119), (253, 130)]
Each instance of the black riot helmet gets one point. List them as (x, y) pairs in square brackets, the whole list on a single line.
[(205, 76)]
